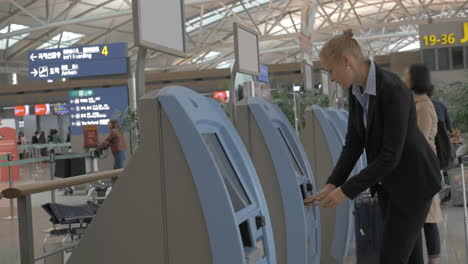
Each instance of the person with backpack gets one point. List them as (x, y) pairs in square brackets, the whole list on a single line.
[(441, 110), (445, 150), (417, 77)]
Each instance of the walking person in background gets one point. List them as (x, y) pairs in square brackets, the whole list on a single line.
[(117, 144), (21, 141), (55, 137), (35, 138), (42, 140), (68, 135), (446, 151), (417, 77), (441, 110), (49, 136)]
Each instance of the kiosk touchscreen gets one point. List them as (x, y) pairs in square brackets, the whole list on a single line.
[(286, 178), (323, 147), (189, 195)]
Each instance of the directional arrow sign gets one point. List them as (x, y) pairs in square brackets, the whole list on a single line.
[(80, 61), (33, 56), (34, 72)]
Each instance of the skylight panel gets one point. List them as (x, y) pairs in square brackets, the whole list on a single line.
[(62, 40), (205, 57), (6, 43), (218, 14), (413, 46), (225, 64)]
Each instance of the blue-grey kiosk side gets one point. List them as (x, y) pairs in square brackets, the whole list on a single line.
[(286, 177), (323, 147), (190, 194)]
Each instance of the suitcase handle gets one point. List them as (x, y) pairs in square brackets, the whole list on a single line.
[(463, 159)]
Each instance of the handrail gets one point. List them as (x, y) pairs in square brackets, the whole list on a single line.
[(46, 145), (23, 190), (462, 159)]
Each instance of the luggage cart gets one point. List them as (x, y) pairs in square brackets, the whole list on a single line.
[(90, 165), (462, 160), (100, 190), (59, 242), (457, 189)]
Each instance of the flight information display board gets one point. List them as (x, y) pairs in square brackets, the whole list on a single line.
[(97, 108), (80, 61)]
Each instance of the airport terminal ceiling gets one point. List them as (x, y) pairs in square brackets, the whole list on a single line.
[(382, 26)]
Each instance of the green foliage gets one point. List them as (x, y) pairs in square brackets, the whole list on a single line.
[(455, 97), (284, 98), (128, 120)]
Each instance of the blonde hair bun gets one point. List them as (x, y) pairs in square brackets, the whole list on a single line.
[(348, 33)]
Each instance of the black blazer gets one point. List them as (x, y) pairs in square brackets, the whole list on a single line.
[(399, 158)]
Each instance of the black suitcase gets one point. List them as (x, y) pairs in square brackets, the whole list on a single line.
[(368, 227)]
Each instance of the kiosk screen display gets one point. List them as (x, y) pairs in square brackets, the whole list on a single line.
[(236, 192), (291, 155)]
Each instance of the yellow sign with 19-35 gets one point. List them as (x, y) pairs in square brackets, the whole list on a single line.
[(443, 35)]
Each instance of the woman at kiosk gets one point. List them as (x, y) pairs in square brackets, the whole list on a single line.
[(402, 168), (117, 144)]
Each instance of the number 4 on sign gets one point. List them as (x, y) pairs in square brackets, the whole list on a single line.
[(104, 51)]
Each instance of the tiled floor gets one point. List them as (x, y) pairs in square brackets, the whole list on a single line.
[(452, 230)]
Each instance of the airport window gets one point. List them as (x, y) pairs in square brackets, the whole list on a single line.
[(291, 154), (457, 58), (443, 56), (429, 58), (235, 190)]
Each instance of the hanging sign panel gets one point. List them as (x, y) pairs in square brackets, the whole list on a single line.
[(160, 25), (246, 50), (96, 107), (443, 34), (81, 61)]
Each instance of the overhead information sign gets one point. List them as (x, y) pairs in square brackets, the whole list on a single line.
[(443, 35), (96, 107), (81, 61)]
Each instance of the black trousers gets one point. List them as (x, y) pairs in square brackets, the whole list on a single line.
[(402, 234)]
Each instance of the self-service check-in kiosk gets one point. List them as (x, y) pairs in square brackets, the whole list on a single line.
[(345, 115), (286, 178), (189, 195), (341, 119), (323, 148), (341, 128)]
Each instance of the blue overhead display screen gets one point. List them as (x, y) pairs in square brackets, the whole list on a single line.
[(81, 61), (97, 108)]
